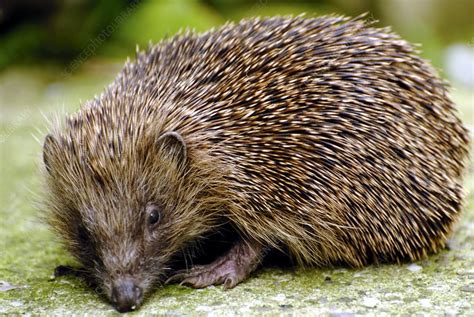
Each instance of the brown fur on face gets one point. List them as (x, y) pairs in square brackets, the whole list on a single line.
[(106, 227), (325, 135)]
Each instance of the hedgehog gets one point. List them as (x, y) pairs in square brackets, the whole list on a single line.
[(327, 138)]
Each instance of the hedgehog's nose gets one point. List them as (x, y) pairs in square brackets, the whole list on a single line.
[(126, 295)]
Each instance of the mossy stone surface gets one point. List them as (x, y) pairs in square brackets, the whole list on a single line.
[(443, 284)]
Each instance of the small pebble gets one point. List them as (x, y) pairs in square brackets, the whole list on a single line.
[(280, 297), (450, 313), (425, 302), (5, 286), (466, 272), (414, 267), (468, 288), (370, 302), (16, 303), (204, 308)]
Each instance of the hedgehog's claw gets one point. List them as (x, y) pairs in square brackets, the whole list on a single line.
[(230, 269), (178, 276)]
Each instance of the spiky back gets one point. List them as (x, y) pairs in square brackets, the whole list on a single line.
[(337, 139)]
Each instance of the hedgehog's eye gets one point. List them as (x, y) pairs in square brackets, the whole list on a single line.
[(154, 215)]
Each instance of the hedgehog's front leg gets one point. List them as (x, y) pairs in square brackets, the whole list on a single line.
[(229, 269)]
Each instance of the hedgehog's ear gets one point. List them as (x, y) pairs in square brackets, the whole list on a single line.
[(172, 143), (49, 143)]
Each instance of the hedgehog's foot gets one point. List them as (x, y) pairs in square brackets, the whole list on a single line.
[(82, 273), (229, 269), (66, 270)]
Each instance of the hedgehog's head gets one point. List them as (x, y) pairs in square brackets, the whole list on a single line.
[(125, 207)]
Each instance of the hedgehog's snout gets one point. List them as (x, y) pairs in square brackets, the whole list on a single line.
[(126, 295)]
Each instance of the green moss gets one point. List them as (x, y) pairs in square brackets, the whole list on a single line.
[(29, 252), (155, 20)]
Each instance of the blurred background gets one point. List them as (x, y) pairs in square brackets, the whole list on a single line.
[(72, 32), (56, 53)]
